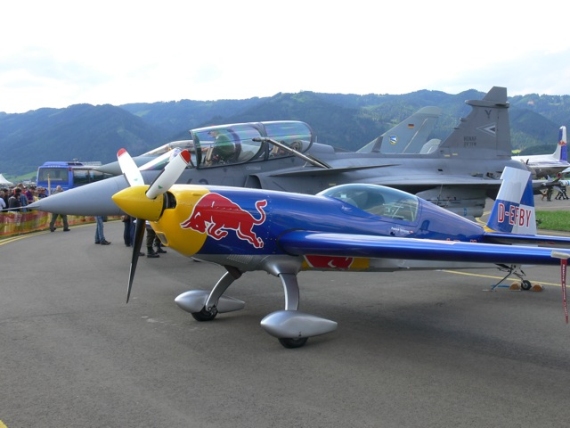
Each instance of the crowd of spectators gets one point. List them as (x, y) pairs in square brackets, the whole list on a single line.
[(19, 196)]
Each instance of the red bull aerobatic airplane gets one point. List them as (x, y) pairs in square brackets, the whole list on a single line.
[(351, 227)]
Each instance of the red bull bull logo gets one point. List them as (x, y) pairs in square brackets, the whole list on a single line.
[(214, 215)]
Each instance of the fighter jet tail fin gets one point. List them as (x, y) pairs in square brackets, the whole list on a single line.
[(407, 136), (485, 133)]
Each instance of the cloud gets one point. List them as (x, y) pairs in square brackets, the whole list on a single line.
[(64, 52)]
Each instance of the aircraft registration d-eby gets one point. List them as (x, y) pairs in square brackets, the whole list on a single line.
[(459, 174), (544, 166), (351, 227)]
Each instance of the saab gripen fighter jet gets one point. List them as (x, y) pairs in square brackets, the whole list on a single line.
[(458, 174), (352, 227)]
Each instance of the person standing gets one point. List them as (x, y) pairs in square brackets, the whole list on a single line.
[(23, 198), (150, 237), (54, 216), (15, 201), (99, 231), (127, 230), (2, 200), (5, 193)]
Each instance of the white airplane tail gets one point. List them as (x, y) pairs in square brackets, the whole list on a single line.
[(513, 210), (561, 152)]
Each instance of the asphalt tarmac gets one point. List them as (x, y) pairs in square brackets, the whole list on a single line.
[(429, 349)]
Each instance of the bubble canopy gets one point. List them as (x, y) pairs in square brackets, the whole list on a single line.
[(377, 200)]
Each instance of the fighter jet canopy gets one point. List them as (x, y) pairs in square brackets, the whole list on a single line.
[(244, 142)]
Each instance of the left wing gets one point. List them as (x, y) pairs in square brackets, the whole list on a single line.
[(302, 243)]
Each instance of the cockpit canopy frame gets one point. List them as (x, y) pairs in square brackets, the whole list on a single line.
[(246, 142)]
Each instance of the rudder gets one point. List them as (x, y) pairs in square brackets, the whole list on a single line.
[(513, 210)]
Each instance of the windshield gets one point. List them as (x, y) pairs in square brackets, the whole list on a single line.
[(218, 145), (377, 200), (53, 174)]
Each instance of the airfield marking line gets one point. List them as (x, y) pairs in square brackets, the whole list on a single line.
[(480, 275), (7, 241), (31, 234), (2, 425)]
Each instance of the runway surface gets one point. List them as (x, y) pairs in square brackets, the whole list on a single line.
[(429, 349)]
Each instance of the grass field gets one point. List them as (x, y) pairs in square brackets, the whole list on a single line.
[(553, 220)]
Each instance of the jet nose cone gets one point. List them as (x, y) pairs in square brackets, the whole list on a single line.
[(134, 202), (91, 199), (110, 168)]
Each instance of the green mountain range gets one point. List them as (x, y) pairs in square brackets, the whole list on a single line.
[(95, 133)]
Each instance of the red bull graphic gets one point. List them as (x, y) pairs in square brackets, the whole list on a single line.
[(329, 262), (213, 214)]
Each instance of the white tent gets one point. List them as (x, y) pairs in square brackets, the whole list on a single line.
[(4, 182)]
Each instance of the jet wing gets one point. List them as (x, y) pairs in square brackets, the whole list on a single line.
[(393, 180), (328, 171), (302, 243)]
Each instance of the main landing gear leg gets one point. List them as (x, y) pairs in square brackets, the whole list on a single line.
[(292, 298), (204, 305)]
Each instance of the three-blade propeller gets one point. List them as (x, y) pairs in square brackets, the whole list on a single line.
[(159, 186)]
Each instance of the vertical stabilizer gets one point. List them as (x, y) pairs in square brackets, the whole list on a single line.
[(485, 133), (562, 148), (408, 136), (411, 134), (513, 210)]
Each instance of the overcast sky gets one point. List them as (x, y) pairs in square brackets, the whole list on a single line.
[(57, 53)]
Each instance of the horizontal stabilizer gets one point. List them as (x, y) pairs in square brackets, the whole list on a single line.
[(540, 240)]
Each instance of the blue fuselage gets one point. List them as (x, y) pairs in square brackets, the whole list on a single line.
[(292, 212)]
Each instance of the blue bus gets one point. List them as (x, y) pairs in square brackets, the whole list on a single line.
[(67, 175)]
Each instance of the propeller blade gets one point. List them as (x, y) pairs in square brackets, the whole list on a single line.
[(161, 161), (169, 175), (129, 168), (139, 235)]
